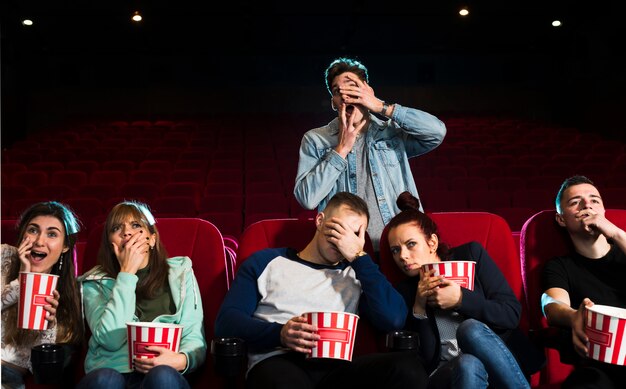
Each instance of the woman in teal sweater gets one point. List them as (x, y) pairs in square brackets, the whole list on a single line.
[(136, 282)]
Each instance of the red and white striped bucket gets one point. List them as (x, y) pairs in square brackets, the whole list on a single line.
[(461, 272), (143, 334), (34, 288), (337, 331), (604, 326)]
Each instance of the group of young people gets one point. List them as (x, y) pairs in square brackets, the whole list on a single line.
[(355, 171), (133, 281)]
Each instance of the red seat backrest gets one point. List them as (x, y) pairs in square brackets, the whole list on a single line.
[(202, 242), (456, 228), (541, 239)]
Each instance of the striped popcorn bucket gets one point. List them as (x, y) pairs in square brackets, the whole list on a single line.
[(337, 331), (34, 288), (144, 334), (461, 272), (604, 326)]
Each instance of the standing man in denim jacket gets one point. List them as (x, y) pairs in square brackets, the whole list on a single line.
[(357, 152)]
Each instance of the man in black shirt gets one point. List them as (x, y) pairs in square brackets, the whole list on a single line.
[(594, 273)]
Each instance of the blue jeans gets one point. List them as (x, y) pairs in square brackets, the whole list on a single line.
[(11, 378), (158, 377), (485, 361)]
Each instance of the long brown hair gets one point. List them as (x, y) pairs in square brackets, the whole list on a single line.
[(69, 317), (411, 214), (139, 212)]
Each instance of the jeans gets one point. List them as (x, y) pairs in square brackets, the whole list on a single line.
[(486, 361), (12, 379), (158, 377)]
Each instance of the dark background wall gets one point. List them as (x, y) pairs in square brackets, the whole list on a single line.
[(86, 60)]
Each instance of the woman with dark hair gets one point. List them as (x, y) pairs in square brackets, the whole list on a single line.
[(135, 281), (465, 334), (46, 236)]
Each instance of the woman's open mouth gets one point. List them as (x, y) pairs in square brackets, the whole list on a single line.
[(37, 256)]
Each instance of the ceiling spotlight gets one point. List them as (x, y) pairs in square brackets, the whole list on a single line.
[(27, 22), (136, 17), (556, 23), (464, 11)]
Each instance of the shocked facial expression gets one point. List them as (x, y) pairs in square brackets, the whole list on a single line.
[(340, 81), (121, 233), (411, 249), (577, 199), (47, 235)]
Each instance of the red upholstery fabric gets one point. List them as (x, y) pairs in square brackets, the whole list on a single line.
[(202, 242), (456, 228), (541, 239)]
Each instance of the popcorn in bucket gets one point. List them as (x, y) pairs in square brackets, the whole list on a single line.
[(144, 334), (461, 272), (337, 331), (34, 288), (604, 326)]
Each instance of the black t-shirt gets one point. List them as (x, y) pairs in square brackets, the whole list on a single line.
[(602, 280)]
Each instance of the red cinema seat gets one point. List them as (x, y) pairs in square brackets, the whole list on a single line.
[(541, 239), (124, 165), (88, 166), (202, 242), (149, 177), (456, 228), (30, 178), (69, 177), (47, 166), (181, 206), (112, 177), (142, 191), (297, 233)]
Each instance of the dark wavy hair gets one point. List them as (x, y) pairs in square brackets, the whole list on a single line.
[(410, 214), (69, 317), (158, 255), (342, 65)]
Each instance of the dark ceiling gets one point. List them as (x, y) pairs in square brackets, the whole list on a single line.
[(86, 48), (299, 27)]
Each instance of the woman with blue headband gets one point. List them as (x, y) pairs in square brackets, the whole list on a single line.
[(47, 233), (135, 281)]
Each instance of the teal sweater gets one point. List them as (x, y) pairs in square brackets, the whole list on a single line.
[(110, 303)]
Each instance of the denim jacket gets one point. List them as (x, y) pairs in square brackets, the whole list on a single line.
[(322, 172)]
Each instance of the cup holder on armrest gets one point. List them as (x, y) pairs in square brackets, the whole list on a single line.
[(402, 341), (229, 355)]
